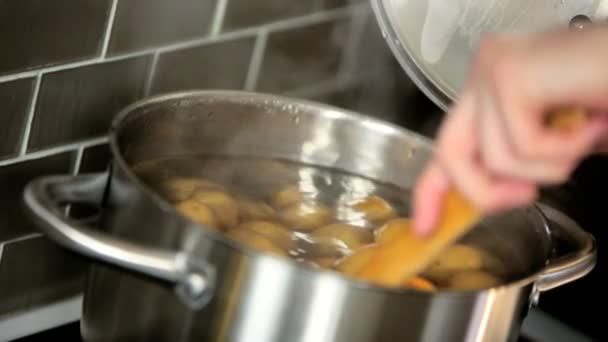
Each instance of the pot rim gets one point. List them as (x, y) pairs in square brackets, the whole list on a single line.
[(288, 262)]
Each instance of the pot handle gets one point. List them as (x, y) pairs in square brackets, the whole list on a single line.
[(43, 198), (572, 266)]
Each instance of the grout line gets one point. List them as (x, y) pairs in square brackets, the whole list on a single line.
[(55, 150), (257, 57), (210, 39), (78, 160), (30, 116), (21, 238), (218, 17), (323, 86), (310, 19), (75, 65), (151, 74), (108, 31), (250, 31)]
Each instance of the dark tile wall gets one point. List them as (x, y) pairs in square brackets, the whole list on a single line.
[(246, 13), (14, 107), (35, 271), (302, 56), (79, 103), (142, 24), (13, 221), (219, 65), (36, 33), (74, 64), (95, 159)]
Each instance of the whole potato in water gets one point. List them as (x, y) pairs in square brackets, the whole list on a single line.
[(223, 205), (253, 210), (352, 237), (456, 258), (275, 232), (390, 230), (352, 264), (306, 216), (324, 262), (420, 283), (198, 213), (472, 280), (286, 197), (493, 264), (180, 189), (374, 208), (148, 169), (255, 241)]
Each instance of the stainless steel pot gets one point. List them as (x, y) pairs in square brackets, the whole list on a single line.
[(159, 277)]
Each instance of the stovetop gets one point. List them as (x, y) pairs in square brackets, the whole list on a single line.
[(66, 333), (71, 333)]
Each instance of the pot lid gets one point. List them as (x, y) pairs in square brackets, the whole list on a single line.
[(435, 40)]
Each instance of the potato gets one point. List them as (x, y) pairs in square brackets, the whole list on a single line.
[(180, 189), (309, 263), (223, 205), (319, 246), (147, 168), (352, 237), (198, 212), (255, 241), (306, 216), (493, 264), (374, 208), (351, 264), (471, 280), (324, 262), (391, 229), (420, 283), (286, 197), (276, 171), (456, 258), (275, 232), (252, 210)]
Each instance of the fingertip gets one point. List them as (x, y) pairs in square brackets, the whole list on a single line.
[(598, 125), (512, 194)]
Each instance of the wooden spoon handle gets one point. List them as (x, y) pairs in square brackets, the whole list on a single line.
[(408, 255)]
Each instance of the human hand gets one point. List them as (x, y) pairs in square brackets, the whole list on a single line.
[(494, 146)]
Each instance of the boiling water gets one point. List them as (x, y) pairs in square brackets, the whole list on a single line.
[(303, 201)]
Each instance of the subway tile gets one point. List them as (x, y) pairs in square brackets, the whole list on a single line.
[(302, 56), (15, 98), (95, 159), (38, 33), (80, 103), (14, 220), (142, 24), (221, 65), (36, 272), (246, 13)]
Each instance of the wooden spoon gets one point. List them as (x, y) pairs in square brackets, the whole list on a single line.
[(407, 255)]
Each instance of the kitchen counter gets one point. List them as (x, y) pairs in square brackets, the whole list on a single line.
[(539, 327)]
